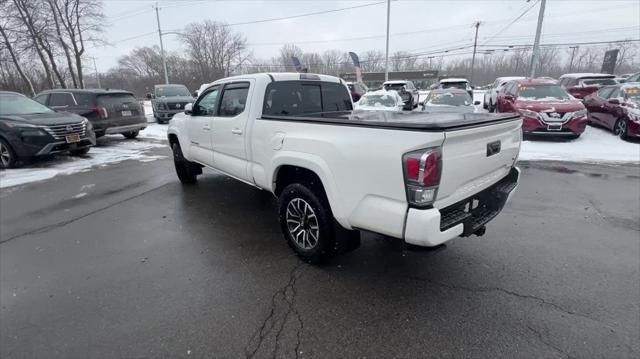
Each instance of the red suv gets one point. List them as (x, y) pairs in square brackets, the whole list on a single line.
[(545, 107), (616, 108), (583, 84)]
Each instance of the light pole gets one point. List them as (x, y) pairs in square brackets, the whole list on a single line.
[(95, 67), (475, 44), (536, 43), (573, 53), (164, 61), (386, 56)]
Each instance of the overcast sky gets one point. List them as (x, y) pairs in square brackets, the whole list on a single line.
[(431, 24)]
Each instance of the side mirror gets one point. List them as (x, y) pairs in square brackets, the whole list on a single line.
[(149, 96), (508, 97), (614, 101), (188, 108), (194, 94), (476, 103)]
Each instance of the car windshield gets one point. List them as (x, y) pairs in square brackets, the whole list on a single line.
[(450, 99), (633, 93), (599, 81), (542, 92), (173, 90), (378, 100), (454, 85), (11, 104), (396, 87)]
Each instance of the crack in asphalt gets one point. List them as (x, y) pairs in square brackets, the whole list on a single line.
[(285, 296), (511, 293), (612, 220), (50, 227), (549, 344)]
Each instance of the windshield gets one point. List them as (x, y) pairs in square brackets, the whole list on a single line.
[(20, 105), (633, 93), (396, 87), (385, 100), (450, 99), (172, 90), (542, 92), (603, 82), (454, 85)]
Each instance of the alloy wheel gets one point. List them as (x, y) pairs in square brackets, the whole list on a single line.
[(5, 155), (302, 224), (621, 127)]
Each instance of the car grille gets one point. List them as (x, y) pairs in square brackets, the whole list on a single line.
[(60, 131), (555, 117), (176, 105)]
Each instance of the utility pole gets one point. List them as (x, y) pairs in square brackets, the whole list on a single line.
[(536, 44), (164, 62), (475, 44), (386, 56), (573, 53), (95, 67)]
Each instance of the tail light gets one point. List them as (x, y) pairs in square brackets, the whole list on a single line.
[(101, 112), (422, 170)]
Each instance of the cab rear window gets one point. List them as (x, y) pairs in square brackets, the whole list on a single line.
[(298, 98)]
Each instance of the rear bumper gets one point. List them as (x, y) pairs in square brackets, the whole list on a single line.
[(432, 227), (126, 128)]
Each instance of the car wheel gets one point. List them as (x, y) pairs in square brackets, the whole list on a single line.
[(307, 222), (8, 158), (187, 171), (159, 121), (131, 135), (620, 128), (80, 152)]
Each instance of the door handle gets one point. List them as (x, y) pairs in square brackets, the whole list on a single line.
[(236, 131), (206, 127)]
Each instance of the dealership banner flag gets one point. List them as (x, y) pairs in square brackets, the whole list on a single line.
[(356, 64), (297, 64)]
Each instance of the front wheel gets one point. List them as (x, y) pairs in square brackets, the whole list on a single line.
[(620, 128), (187, 171), (306, 222), (8, 158), (131, 134)]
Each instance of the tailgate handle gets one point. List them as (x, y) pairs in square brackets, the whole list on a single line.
[(493, 148)]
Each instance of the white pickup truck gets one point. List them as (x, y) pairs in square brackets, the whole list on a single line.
[(423, 178)]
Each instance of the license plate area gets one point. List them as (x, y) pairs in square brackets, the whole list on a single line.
[(554, 127), (72, 138), (126, 113)]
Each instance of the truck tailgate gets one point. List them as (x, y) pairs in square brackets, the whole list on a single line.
[(475, 158)]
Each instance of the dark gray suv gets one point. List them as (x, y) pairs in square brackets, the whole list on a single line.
[(167, 100)]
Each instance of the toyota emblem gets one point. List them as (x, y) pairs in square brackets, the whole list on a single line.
[(177, 105)]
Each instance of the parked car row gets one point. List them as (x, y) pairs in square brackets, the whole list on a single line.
[(64, 120)]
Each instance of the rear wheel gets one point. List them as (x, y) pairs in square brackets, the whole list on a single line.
[(620, 128), (187, 171), (8, 157), (306, 222), (80, 152), (131, 134)]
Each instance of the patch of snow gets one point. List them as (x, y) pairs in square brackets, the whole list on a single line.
[(80, 195), (108, 152), (595, 145), (154, 131), (148, 111)]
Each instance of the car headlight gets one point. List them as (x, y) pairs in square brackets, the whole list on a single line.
[(529, 113), (634, 116), (580, 113), (161, 106), (87, 124), (19, 125)]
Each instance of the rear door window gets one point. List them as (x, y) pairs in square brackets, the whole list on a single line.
[(41, 98), (234, 99), (335, 97), (61, 99), (85, 99)]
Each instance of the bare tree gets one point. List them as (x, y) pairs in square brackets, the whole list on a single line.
[(8, 46), (215, 50)]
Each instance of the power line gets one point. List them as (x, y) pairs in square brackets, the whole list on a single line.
[(512, 22)]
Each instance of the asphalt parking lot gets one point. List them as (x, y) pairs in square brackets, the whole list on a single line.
[(141, 266)]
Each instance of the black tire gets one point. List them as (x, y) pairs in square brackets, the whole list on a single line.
[(309, 210), (159, 121), (131, 134), (621, 128), (80, 152), (187, 171), (8, 158)]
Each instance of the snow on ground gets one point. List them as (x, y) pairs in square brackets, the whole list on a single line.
[(154, 131), (148, 111), (110, 150), (595, 145)]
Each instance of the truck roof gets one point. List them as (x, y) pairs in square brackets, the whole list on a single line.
[(395, 82), (453, 79), (580, 75), (280, 76), (92, 91)]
